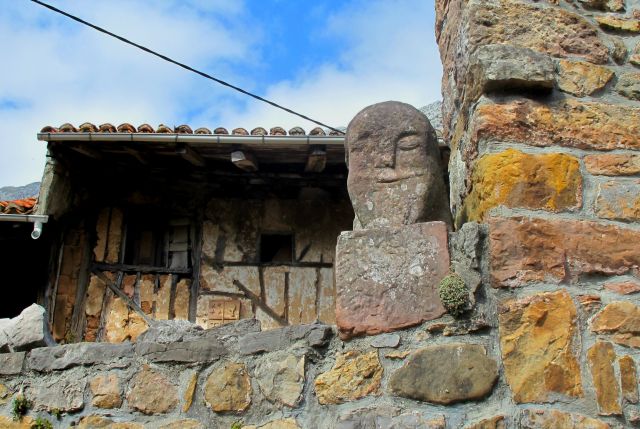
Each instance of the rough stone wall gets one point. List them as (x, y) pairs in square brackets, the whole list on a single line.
[(542, 113)]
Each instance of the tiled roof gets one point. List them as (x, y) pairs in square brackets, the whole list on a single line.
[(88, 127), (23, 206)]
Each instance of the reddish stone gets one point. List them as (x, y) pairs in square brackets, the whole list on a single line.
[(601, 358), (387, 278), (624, 287), (527, 250)]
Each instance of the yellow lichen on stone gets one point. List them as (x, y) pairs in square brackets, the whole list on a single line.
[(520, 180), (354, 375), (619, 24)]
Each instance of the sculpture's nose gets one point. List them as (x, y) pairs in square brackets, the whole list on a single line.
[(387, 157)]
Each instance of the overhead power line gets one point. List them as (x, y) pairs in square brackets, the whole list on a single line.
[(184, 66)]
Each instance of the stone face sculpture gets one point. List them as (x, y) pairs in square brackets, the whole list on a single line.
[(395, 177)]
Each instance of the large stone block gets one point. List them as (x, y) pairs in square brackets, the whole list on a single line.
[(70, 355), (556, 419), (621, 320), (570, 123), (628, 379), (581, 79), (629, 85), (106, 391), (228, 388), (601, 358), (62, 393), (11, 363), (29, 330), (613, 164), (354, 376), (508, 68), (386, 279), (383, 416), (537, 341), (283, 338), (527, 250), (512, 178), (445, 374), (151, 392), (200, 350), (618, 200), (280, 377)]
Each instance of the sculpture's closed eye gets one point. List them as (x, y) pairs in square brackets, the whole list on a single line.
[(409, 142)]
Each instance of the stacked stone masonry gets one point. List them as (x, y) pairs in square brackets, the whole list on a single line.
[(541, 109)]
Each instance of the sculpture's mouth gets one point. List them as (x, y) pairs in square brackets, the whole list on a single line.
[(390, 175)]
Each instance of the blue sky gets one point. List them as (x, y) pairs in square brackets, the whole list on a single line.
[(326, 59)]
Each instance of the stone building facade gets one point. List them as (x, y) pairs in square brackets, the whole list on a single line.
[(541, 111)]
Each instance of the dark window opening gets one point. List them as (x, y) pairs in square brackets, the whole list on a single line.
[(276, 248), (158, 242)]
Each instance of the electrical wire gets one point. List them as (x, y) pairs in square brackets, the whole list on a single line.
[(184, 66)]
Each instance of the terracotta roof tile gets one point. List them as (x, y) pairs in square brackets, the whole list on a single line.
[(23, 206), (182, 129)]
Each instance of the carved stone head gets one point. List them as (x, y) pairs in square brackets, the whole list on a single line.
[(395, 177)]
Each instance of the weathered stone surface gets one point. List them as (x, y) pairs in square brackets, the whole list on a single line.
[(458, 327), (628, 379), (537, 340), (98, 422), (70, 355), (201, 350), (182, 424), (445, 374), (4, 339), (496, 422), (590, 303), (122, 323), (93, 307), (4, 394), (171, 331), (622, 319), (604, 5), (9, 423), (515, 179), (395, 176), (280, 377), (385, 340), (635, 56), (618, 200), (601, 358), (581, 79), (556, 419), (570, 123), (190, 392), (278, 339), (106, 391), (228, 388), (629, 85), (354, 376), (623, 287), (384, 416), (531, 249), (386, 279), (509, 68), (554, 31), (276, 424), (29, 330), (613, 164), (151, 392), (610, 22), (11, 363), (65, 394)]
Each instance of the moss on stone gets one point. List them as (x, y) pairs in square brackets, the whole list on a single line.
[(453, 294)]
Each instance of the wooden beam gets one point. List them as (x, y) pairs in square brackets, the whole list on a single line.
[(145, 269), (317, 159), (190, 155), (260, 303), (244, 160), (86, 151), (116, 290)]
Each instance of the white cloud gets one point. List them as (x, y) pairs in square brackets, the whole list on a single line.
[(391, 55), (56, 71), (60, 71)]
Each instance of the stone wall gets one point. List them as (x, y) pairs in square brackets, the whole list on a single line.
[(542, 113)]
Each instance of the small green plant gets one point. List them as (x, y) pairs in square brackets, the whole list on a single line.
[(55, 412), (236, 425), (20, 407), (454, 294), (41, 423)]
